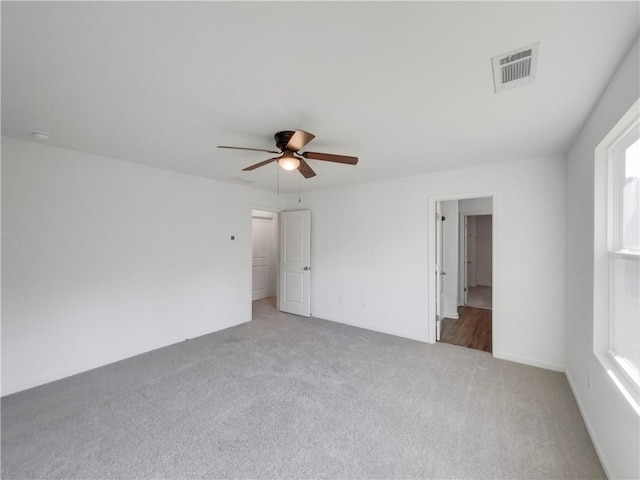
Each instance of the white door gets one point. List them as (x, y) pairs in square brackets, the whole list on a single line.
[(439, 272), (262, 266), (295, 266)]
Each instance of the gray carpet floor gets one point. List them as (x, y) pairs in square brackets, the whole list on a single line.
[(289, 397)]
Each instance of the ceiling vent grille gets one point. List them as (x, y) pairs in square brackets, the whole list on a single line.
[(516, 68)]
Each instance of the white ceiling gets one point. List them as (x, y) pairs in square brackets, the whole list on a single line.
[(405, 86)]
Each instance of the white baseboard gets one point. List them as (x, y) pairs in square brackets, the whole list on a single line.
[(66, 374), (455, 316), (529, 361), (594, 439), (395, 333)]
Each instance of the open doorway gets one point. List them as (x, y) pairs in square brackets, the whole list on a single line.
[(264, 264), (476, 256), (464, 272), (281, 261)]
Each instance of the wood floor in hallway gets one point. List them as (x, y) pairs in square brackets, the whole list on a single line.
[(472, 329)]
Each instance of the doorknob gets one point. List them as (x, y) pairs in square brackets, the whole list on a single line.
[(306, 268), (443, 273)]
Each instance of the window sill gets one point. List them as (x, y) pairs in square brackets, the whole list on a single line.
[(632, 255), (623, 380)]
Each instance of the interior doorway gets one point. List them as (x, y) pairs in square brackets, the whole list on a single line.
[(264, 264), (464, 272), (476, 256)]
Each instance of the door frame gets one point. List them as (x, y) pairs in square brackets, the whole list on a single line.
[(462, 258), (439, 264), (431, 262)]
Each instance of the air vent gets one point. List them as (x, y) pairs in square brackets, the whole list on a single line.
[(516, 68)]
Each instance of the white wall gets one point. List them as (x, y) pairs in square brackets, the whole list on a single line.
[(484, 250), (449, 210), (476, 206), (105, 259), (369, 247), (614, 426)]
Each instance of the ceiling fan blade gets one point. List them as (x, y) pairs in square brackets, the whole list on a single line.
[(261, 164), (305, 169), (328, 157), (298, 140), (253, 149)]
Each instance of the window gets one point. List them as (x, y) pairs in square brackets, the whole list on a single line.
[(624, 253), (617, 252)]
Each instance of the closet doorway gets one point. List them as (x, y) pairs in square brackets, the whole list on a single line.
[(264, 267)]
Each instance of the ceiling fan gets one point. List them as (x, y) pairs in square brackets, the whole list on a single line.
[(290, 143)]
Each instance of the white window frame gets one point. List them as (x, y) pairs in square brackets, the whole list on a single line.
[(608, 173)]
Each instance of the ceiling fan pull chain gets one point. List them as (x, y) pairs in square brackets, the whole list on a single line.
[(299, 199), (278, 178)]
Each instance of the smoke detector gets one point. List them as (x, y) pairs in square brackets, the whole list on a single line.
[(515, 68)]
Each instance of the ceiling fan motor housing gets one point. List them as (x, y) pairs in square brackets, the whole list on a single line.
[(290, 143), (282, 139)]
